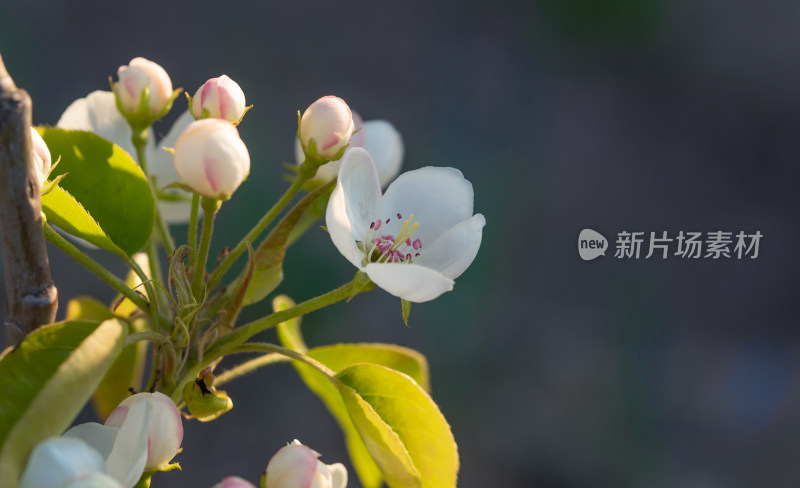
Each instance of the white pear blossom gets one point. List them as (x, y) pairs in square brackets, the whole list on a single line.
[(234, 482), (98, 113), (92, 455), (297, 466), (164, 430), (381, 140), (219, 98), (41, 156), (413, 240)]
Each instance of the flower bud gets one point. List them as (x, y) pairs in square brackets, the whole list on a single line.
[(234, 482), (203, 400), (164, 427), (41, 156), (219, 98), (325, 129), (211, 158), (143, 82), (297, 466)]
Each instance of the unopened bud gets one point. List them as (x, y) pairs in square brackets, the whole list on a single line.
[(143, 84), (234, 482), (325, 129), (41, 157), (297, 466), (164, 429), (211, 158), (219, 98), (203, 400)]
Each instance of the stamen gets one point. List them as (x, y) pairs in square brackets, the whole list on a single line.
[(417, 244), (399, 216)]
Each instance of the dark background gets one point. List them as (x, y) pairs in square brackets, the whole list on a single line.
[(642, 115)]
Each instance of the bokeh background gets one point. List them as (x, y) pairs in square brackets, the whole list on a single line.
[(642, 115)]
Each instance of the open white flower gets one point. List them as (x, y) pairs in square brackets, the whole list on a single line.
[(381, 140), (98, 113), (92, 455), (415, 239)]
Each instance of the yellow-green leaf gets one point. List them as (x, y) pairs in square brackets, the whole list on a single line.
[(46, 381), (401, 426)]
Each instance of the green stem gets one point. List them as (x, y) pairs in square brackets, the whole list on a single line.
[(228, 343), (193, 229), (289, 353), (70, 250), (248, 367), (140, 143), (210, 208), (262, 224)]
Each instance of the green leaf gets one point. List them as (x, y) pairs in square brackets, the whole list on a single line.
[(108, 184), (45, 383), (401, 426), (66, 213), (128, 368), (338, 357)]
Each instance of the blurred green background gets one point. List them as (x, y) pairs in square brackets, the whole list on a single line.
[(638, 115)]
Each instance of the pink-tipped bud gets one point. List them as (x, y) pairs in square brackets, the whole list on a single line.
[(329, 123), (297, 466), (211, 158), (164, 428), (219, 98), (41, 157), (234, 482), (138, 75)]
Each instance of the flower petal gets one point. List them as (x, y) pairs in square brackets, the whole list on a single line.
[(59, 460), (161, 166), (98, 113), (128, 456), (384, 144), (100, 437), (353, 204), (454, 251), (96, 480), (439, 198), (338, 475), (410, 282)]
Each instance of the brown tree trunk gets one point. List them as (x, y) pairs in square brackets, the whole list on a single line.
[(31, 296)]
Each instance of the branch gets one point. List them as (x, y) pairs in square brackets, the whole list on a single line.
[(31, 295)]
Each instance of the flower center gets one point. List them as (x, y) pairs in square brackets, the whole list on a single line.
[(390, 248)]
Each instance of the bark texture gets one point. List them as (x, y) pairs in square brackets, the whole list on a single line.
[(31, 295)]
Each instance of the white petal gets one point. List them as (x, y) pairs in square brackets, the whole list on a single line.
[(385, 145), (338, 475), (454, 251), (160, 163), (100, 437), (439, 198), (96, 480), (353, 204), (57, 461), (128, 456), (409, 281), (98, 113)]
